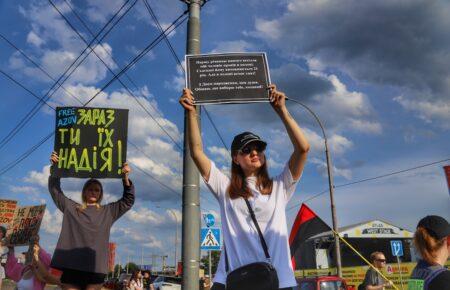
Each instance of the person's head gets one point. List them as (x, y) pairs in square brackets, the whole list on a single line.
[(248, 159), (146, 274), (2, 232), (432, 238), (378, 259), (136, 275), (92, 192)]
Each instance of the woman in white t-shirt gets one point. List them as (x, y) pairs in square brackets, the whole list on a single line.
[(250, 179)]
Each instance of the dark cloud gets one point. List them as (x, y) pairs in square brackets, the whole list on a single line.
[(400, 43), (291, 79)]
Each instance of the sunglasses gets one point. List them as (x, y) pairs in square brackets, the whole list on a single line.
[(381, 260), (247, 149)]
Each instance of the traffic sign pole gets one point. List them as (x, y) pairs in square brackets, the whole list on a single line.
[(400, 272)]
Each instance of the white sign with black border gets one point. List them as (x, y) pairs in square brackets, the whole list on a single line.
[(228, 77)]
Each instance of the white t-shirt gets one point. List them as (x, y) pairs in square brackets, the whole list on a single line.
[(240, 236)]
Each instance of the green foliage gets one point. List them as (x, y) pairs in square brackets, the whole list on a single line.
[(215, 256)]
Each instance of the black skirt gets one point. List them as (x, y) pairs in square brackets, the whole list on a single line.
[(81, 278)]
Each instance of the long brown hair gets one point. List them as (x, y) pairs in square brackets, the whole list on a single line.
[(427, 245), (238, 186)]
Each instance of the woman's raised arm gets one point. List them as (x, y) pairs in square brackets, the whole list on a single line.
[(194, 137), (297, 160)]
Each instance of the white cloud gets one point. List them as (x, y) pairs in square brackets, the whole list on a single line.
[(220, 154), (143, 215), (40, 178), (233, 46), (322, 168), (52, 222), (429, 111), (101, 10), (343, 109), (23, 189), (34, 39)]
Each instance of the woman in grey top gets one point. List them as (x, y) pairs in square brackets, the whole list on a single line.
[(82, 249)]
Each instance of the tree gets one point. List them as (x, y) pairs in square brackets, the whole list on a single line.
[(215, 256), (131, 267)]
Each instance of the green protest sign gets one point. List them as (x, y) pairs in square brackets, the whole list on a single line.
[(90, 142)]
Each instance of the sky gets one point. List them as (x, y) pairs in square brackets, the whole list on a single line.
[(376, 73)]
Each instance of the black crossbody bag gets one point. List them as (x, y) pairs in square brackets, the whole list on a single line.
[(254, 276)]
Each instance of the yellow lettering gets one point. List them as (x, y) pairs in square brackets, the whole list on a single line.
[(94, 158), (74, 136), (84, 161), (106, 155), (62, 131), (110, 117), (108, 135), (73, 160), (62, 162)]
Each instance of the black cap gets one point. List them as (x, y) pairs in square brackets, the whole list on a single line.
[(241, 140), (436, 226)]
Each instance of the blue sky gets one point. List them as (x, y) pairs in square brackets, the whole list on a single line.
[(376, 73)]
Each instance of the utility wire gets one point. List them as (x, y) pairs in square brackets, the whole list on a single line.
[(54, 87), (170, 28), (370, 179), (117, 77), (48, 136), (178, 61)]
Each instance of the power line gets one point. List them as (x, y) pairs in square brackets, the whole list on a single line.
[(370, 179), (170, 28), (178, 61), (52, 89), (112, 72), (47, 137)]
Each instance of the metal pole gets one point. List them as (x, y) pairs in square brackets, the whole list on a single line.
[(191, 179), (176, 237), (209, 264), (400, 272), (337, 247)]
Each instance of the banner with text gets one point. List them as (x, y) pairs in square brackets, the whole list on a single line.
[(228, 78), (90, 142), (26, 223), (7, 209)]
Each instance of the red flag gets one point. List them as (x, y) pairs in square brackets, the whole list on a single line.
[(447, 174), (111, 256), (307, 224)]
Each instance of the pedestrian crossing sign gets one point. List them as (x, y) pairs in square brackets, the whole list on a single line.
[(210, 239)]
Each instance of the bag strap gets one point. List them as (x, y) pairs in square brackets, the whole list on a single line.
[(433, 275), (261, 238)]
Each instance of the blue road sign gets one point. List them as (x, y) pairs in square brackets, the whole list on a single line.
[(210, 239), (397, 248), (209, 220)]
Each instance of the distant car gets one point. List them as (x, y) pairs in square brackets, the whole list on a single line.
[(167, 283), (322, 283), (117, 283)]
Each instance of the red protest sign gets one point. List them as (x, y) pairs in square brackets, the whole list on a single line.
[(7, 209)]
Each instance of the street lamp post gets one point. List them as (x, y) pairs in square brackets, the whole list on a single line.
[(337, 247), (176, 237)]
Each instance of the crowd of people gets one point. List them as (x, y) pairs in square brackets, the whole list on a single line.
[(253, 214)]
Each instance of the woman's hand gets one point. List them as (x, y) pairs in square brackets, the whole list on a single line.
[(277, 99), (126, 169), (187, 100), (36, 249), (54, 158)]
